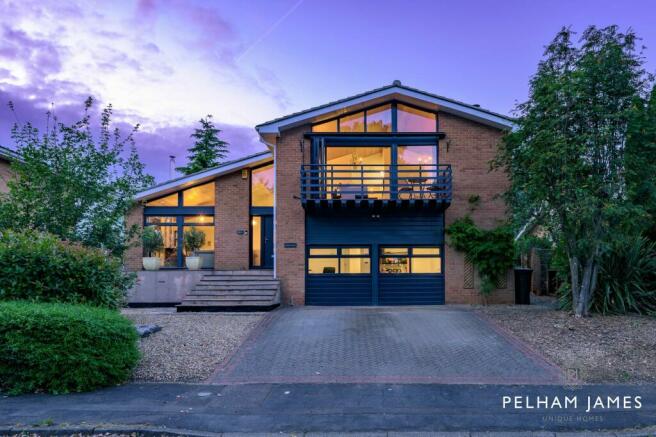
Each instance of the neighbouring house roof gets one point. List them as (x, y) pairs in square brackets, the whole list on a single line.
[(205, 175), (7, 154), (395, 91)]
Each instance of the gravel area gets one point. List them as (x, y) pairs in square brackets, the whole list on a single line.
[(190, 345), (597, 349)]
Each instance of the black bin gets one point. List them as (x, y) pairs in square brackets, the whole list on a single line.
[(523, 286)]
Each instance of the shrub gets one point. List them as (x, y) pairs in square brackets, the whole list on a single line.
[(490, 251), (627, 279), (41, 268), (152, 240), (193, 240), (59, 348)]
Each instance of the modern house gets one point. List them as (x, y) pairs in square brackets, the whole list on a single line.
[(347, 207)]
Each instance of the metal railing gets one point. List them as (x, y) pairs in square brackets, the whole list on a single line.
[(384, 182)]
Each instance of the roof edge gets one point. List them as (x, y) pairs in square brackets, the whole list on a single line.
[(446, 104), (204, 175)]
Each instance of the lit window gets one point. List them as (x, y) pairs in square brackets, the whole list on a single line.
[(404, 260), (157, 220), (379, 119), (170, 200), (323, 251), (199, 219), (410, 119), (344, 261), (202, 195), (322, 266), (352, 123), (262, 186), (329, 126)]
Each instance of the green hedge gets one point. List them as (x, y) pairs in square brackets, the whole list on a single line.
[(41, 268), (59, 348)]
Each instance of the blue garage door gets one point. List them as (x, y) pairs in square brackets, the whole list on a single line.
[(375, 259)]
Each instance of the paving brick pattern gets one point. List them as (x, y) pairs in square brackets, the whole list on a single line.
[(420, 345)]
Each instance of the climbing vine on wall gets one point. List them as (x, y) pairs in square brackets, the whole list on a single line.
[(490, 251)]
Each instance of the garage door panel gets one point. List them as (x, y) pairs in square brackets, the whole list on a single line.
[(338, 290), (411, 289)]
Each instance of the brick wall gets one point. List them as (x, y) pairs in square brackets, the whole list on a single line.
[(5, 175), (132, 257), (469, 147), (290, 215), (231, 215)]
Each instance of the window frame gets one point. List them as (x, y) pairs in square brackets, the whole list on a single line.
[(394, 105), (338, 256), (410, 255)]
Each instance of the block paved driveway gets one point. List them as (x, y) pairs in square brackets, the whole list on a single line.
[(383, 344)]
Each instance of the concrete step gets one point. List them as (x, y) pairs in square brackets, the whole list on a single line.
[(232, 293)]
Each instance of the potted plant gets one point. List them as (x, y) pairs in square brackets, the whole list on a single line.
[(193, 240), (152, 241)]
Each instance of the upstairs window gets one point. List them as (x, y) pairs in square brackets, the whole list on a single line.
[(262, 186), (410, 119), (170, 200), (381, 119)]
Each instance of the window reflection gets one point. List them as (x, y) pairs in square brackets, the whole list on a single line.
[(202, 195), (379, 119), (352, 123), (262, 186), (410, 119)]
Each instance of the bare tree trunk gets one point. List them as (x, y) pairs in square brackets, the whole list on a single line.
[(574, 272)]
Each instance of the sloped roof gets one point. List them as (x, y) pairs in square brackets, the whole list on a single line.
[(397, 91), (205, 175), (8, 154)]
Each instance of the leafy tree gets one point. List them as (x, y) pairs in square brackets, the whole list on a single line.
[(74, 184), (567, 158), (208, 150)]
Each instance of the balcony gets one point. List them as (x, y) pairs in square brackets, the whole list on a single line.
[(425, 186)]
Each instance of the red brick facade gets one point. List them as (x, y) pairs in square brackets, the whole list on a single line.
[(290, 215), (231, 223), (469, 147)]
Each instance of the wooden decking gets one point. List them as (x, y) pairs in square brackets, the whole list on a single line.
[(242, 290)]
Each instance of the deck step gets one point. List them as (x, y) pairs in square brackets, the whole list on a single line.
[(252, 289)]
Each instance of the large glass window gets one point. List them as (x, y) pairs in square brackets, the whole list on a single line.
[(379, 119), (410, 119), (202, 195), (410, 260), (357, 170), (206, 251), (168, 228), (329, 126), (170, 200), (339, 260), (262, 186)]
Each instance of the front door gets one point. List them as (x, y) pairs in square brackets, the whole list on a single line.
[(262, 241)]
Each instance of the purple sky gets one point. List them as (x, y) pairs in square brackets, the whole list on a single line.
[(164, 64)]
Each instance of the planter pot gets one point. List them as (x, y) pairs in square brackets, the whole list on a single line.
[(193, 262), (151, 263), (523, 286)]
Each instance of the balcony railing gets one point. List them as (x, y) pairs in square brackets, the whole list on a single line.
[(428, 184)]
